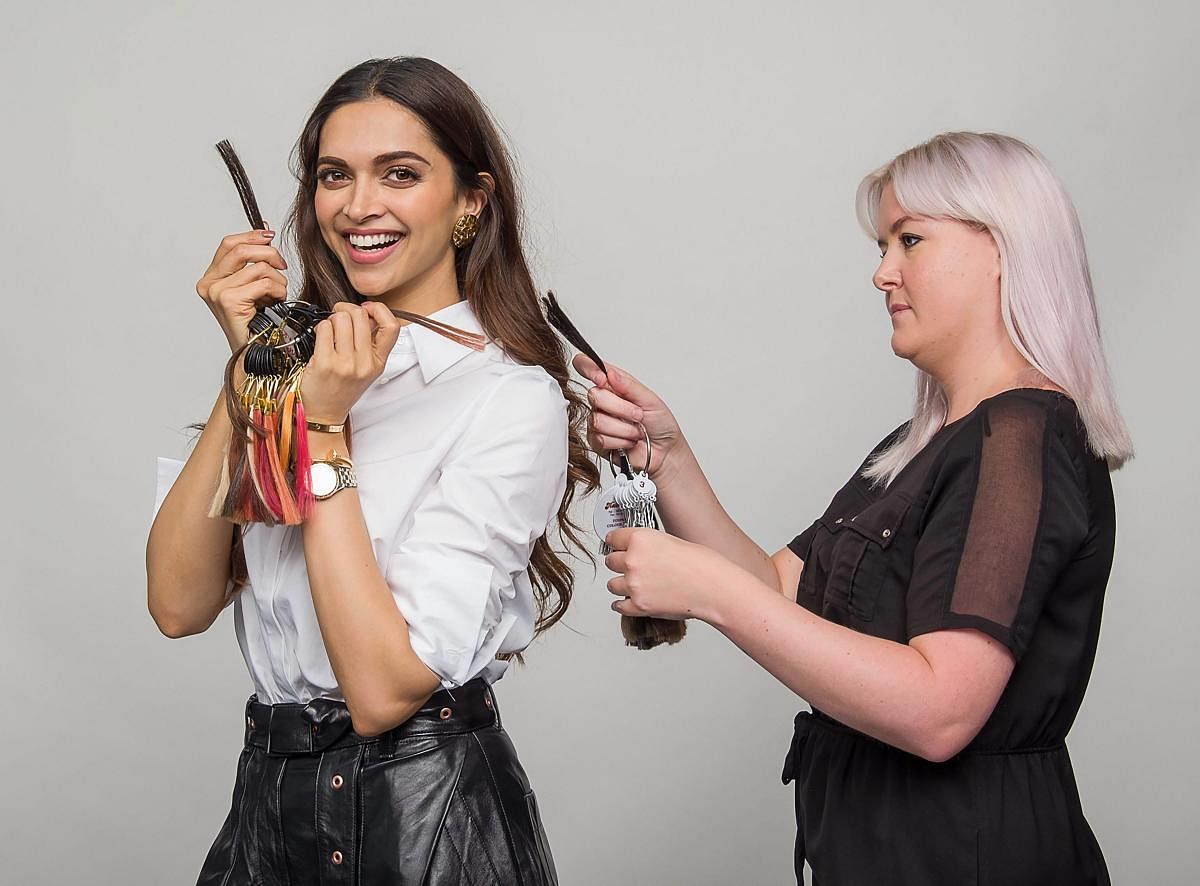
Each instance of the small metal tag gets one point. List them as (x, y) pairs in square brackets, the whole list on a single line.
[(609, 515)]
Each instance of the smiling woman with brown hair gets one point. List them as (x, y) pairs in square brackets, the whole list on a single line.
[(373, 631)]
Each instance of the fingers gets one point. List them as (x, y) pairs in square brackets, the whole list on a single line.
[(587, 367), (246, 253), (257, 285), (613, 421), (231, 241), (323, 349), (619, 539), (352, 345), (608, 446), (348, 333), (343, 333), (618, 586), (227, 288), (372, 333), (606, 401), (362, 329), (238, 249), (387, 328), (617, 379), (615, 561), (625, 607), (258, 270), (629, 388), (616, 434)]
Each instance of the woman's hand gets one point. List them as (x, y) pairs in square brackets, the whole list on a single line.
[(619, 401), (663, 576), (245, 274), (351, 350)]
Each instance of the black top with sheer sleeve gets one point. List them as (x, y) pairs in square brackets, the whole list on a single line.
[(1004, 523)]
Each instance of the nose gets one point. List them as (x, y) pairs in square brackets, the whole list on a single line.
[(887, 275), (362, 201)]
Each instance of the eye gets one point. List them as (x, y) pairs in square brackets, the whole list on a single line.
[(400, 175), (908, 241), (331, 176)]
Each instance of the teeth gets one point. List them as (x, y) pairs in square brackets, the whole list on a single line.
[(362, 242)]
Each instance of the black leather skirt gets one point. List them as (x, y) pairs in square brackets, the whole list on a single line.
[(440, 799)]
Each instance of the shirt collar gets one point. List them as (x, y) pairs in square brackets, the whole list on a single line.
[(435, 352)]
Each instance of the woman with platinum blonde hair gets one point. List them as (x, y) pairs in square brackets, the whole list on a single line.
[(950, 594)]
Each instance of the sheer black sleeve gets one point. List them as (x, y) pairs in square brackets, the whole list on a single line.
[(1007, 512)]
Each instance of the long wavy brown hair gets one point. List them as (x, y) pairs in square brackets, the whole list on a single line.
[(493, 275)]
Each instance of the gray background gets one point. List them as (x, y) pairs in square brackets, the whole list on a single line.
[(689, 172)]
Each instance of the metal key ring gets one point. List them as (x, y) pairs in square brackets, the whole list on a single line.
[(649, 449), (627, 468)]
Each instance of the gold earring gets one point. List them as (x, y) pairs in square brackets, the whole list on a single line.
[(464, 230)]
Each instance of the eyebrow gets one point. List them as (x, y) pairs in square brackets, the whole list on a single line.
[(378, 161), (896, 225)]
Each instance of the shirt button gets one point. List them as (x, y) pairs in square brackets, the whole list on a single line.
[(838, 520), (337, 856), (337, 781), (887, 533)]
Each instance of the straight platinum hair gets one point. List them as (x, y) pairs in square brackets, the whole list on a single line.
[(1046, 297)]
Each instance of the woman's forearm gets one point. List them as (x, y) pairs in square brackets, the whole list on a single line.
[(888, 690), (365, 634), (691, 510), (188, 552)]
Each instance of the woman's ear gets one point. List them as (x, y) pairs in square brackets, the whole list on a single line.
[(477, 197), (995, 252)]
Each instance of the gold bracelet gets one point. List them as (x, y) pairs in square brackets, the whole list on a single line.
[(325, 429)]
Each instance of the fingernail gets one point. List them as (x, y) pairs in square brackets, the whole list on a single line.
[(268, 234)]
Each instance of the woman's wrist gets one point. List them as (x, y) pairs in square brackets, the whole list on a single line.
[(323, 445), (677, 462), (729, 596)]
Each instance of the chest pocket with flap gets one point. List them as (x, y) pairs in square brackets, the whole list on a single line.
[(857, 563)]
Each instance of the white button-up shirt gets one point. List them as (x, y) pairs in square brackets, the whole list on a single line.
[(461, 459)]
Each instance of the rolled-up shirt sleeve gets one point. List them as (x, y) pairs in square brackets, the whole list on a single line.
[(168, 470), (459, 574)]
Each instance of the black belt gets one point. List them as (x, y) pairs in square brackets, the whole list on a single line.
[(807, 721), (324, 723)]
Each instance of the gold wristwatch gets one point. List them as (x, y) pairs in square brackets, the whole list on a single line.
[(330, 476)]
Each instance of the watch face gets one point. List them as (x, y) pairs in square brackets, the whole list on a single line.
[(324, 478)]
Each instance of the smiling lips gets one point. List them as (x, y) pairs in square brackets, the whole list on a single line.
[(371, 247)]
